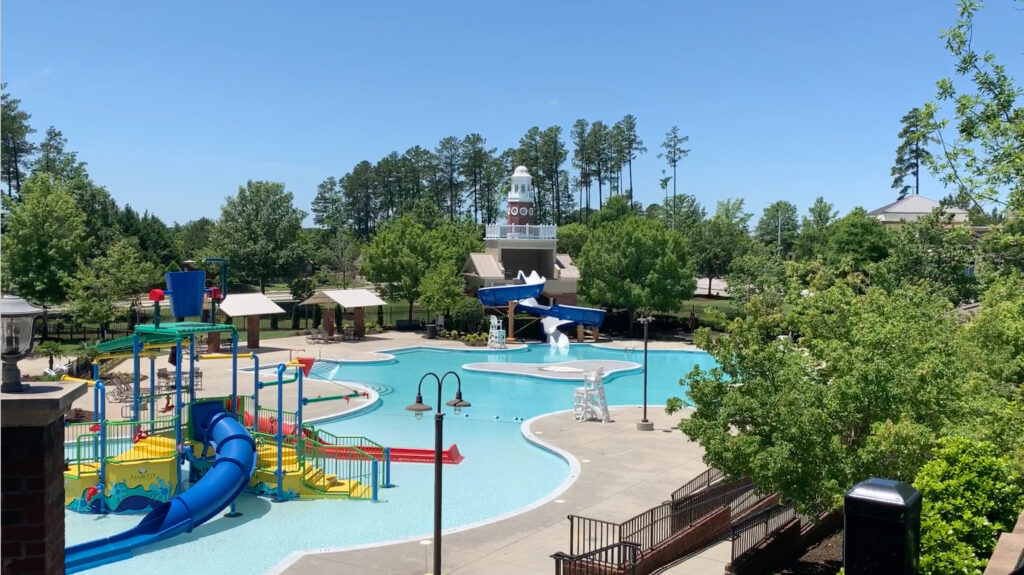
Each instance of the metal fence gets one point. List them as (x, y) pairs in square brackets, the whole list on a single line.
[(752, 531), (702, 481), (623, 557)]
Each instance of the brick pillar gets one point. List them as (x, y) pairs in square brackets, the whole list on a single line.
[(213, 342), (252, 332), (329, 322), (510, 336), (31, 443), (359, 322)]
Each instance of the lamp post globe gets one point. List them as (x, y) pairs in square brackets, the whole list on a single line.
[(17, 320)]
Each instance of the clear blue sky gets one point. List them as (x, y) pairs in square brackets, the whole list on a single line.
[(175, 104)]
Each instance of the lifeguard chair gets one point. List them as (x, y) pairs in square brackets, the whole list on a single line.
[(590, 402), (496, 335)]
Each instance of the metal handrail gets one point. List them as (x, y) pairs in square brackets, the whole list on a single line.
[(617, 555)]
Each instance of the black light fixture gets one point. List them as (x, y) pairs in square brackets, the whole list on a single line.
[(418, 408), (17, 318), (644, 424)]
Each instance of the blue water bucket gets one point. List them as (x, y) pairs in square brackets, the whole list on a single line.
[(187, 290)]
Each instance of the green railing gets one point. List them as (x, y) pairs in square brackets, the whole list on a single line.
[(122, 435), (328, 438), (288, 419), (339, 470), (81, 446)]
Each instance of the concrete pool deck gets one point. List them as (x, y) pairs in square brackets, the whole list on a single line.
[(622, 471)]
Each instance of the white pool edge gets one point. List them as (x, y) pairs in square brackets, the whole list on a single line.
[(524, 428)]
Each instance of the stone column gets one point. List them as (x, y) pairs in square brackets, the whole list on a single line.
[(328, 317), (359, 322), (252, 332), (33, 477)]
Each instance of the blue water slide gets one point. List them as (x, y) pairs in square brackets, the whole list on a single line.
[(568, 313), (232, 467), (501, 295)]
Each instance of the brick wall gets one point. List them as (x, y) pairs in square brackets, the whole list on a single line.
[(33, 499), (785, 544)]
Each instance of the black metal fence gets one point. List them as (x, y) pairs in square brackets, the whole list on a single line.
[(622, 557), (755, 529), (702, 481), (654, 526)]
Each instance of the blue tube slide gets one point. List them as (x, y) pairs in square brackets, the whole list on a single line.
[(233, 466), (569, 313)]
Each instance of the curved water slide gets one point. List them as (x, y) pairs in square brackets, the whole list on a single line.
[(232, 467), (525, 295)]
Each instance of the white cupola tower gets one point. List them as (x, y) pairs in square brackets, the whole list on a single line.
[(520, 198)]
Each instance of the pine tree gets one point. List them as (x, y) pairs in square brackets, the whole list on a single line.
[(912, 151)]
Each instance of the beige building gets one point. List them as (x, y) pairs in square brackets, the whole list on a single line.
[(519, 245), (911, 208)]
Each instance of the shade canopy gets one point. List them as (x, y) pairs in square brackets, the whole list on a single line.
[(243, 304), (347, 298)]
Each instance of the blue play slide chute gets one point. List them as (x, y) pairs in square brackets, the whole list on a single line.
[(501, 295), (568, 313), (233, 466)]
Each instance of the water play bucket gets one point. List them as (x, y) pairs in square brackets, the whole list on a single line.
[(307, 364), (186, 289)]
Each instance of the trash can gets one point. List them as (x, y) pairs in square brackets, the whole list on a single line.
[(431, 331), (882, 520)]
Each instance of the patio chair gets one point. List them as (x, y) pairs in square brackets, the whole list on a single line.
[(163, 378)]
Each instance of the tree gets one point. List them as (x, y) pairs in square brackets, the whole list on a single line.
[(983, 160), (814, 229), (634, 145), (97, 288), (615, 211), (192, 238), (637, 264), (442, 288), (258, 231), (858, 385), (674, 151), (49, 349), (969, 494), (758, 272), (598, 148), (360, 199), (15, 147), (911, 153), (475, 160), (449, 161), (778, 227), (1001, 250), (931, 251), (36, 260), (551, 154), (53, 159), (581, 160), (339, 254), (329, 205), (571, 239), (721, 239), (855, 240), (684, 213)]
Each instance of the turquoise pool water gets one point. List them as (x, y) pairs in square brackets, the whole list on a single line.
[(502, 472)]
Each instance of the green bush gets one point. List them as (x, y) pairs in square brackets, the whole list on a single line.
[(970, 493), (467, 314)]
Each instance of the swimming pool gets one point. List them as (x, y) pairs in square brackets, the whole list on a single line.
[(502, 473)]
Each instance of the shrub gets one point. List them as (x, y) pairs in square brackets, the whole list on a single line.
[(969, 494), (467, 314)]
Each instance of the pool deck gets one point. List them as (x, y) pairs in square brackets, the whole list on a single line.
[(622, 471)]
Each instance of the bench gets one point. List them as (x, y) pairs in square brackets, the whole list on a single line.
[(408, 325)]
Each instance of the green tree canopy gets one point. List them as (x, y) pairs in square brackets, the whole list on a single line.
[(778, 227), (863, 386), (814, 229), (258, 232), (638, 264), (572, 238), (720, 240), (97, 288), (911, 153), (856, 240), (36, 259), (15, 148)]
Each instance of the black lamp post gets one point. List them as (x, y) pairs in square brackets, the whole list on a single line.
[(643, 424), (17, 318), (419, 408)]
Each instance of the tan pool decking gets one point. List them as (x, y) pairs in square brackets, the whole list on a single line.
[(622, 471)]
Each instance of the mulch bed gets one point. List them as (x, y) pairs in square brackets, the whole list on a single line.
[(825, 558)]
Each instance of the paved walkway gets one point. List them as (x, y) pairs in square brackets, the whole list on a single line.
[(621, 472)]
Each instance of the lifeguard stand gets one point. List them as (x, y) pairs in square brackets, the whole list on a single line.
[(590, 402), (496, 336)]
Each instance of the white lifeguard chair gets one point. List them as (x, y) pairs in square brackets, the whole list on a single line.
[(589, 402), (496, 335)]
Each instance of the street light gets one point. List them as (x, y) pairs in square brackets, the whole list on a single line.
[(17, 318), (643, 424), (418, 409)]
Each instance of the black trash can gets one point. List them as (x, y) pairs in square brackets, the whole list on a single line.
[(882, 520), (431, 331)]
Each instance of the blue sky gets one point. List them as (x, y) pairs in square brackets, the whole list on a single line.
[(175, 104)]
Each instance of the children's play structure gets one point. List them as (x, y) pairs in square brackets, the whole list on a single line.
[(523, 297), (183, 459)]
